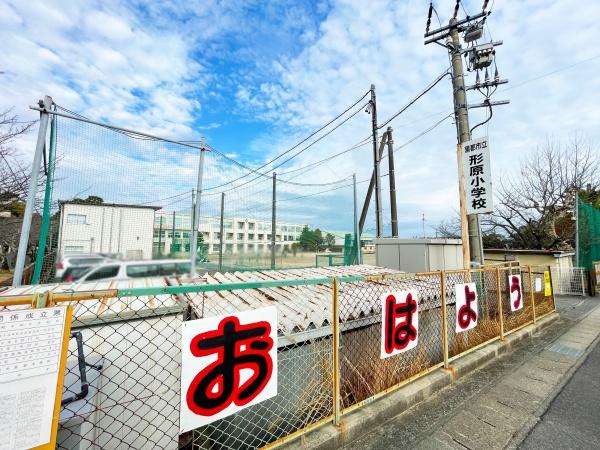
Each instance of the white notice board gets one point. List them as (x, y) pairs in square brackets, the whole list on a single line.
[(33, 346)]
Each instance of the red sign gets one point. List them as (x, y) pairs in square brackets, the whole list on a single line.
[(399, 322), (228, 363)]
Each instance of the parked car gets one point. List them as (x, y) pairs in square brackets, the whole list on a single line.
[(78, 260), (116, 270), (74, 273)]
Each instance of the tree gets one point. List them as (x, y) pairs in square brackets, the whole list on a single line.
[(534, 209), (90, 200), (329, 241), (14, 175), (311, 239)]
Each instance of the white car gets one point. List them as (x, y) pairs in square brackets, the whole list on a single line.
[(78, 260), (119, 270)]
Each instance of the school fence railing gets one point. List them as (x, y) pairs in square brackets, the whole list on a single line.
[(570, 280), (342, 342)]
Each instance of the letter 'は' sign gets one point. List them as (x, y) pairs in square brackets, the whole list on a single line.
[(228, 363), (466, 306), (399, 322), (516, 293)]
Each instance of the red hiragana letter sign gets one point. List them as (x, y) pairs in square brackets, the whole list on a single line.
[(516, 293), (466, 306), (228, 363), (399, 322)]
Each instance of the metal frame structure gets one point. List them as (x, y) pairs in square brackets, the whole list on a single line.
[(341, 288)]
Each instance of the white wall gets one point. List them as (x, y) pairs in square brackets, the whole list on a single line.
[(107, 229)]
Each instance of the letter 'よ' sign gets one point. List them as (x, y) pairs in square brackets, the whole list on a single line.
[(399, 322), (228, 363), (516, 293), (466, 306)]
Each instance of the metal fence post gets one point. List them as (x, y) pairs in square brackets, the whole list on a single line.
[(444, 318), (532, 293), (552, 289), (500, 315), (221, 238), (335, 352), (46, 104), (196, 218)]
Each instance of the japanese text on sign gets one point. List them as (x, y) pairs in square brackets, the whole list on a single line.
[(228, 363), (30, 354), (399, 322), (516, 293), (478, 176), (466, 306)]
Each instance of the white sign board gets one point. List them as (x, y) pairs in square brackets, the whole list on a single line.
[(466, 307), (478, 176), (30, 354), (538, 284), (516, 292), (399, 322), (228, 363)]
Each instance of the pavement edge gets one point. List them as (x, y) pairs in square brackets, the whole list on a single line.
[(360, 421)]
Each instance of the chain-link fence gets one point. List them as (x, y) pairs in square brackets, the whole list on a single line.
[(122, 385), (127, 195), (487, 313)]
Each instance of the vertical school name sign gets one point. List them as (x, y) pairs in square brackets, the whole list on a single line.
[(477, 170)]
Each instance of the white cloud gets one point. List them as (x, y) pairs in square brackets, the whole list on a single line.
[(383, 44)]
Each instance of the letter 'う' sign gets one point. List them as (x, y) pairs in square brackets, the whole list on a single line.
[(399, 322), (228, 363), (466, 306), (516, 293)]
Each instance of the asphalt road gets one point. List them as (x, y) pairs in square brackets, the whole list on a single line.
[(438, 422), (573, 419)]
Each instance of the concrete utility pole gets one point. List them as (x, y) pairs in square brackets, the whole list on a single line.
[(461, 113), (392, 177), (376, 159), (45, 104), (221, 229)]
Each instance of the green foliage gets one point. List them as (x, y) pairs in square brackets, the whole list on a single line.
[(311, 240), (90, 200)]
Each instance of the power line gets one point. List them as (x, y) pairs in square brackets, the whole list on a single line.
[(421, 94)]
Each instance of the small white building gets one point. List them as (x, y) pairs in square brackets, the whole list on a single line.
[(126, 230)]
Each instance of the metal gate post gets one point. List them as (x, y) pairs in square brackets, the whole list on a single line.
[(336, 354), (532, 293), (444, 318), (500, 314)]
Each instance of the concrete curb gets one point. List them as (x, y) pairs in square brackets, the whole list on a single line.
[(360, 421)]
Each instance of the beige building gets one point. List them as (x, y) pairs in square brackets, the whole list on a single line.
[(553, 258)]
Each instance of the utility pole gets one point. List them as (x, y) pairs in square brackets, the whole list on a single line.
[(45, 104), (196, 221), (172, 250), (158, 253), (461, 113), (392, 177), (376, 159), (356, 227), (480, 57)]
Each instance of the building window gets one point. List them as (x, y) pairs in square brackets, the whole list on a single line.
[(240, 236), (251, 237), (229, 236), (73, 248), (261, 237), (215, 247), (240, 225), (240, 247), (76, 219), (251, 226)]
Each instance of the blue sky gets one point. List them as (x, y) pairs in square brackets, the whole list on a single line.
[(254, 77)]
